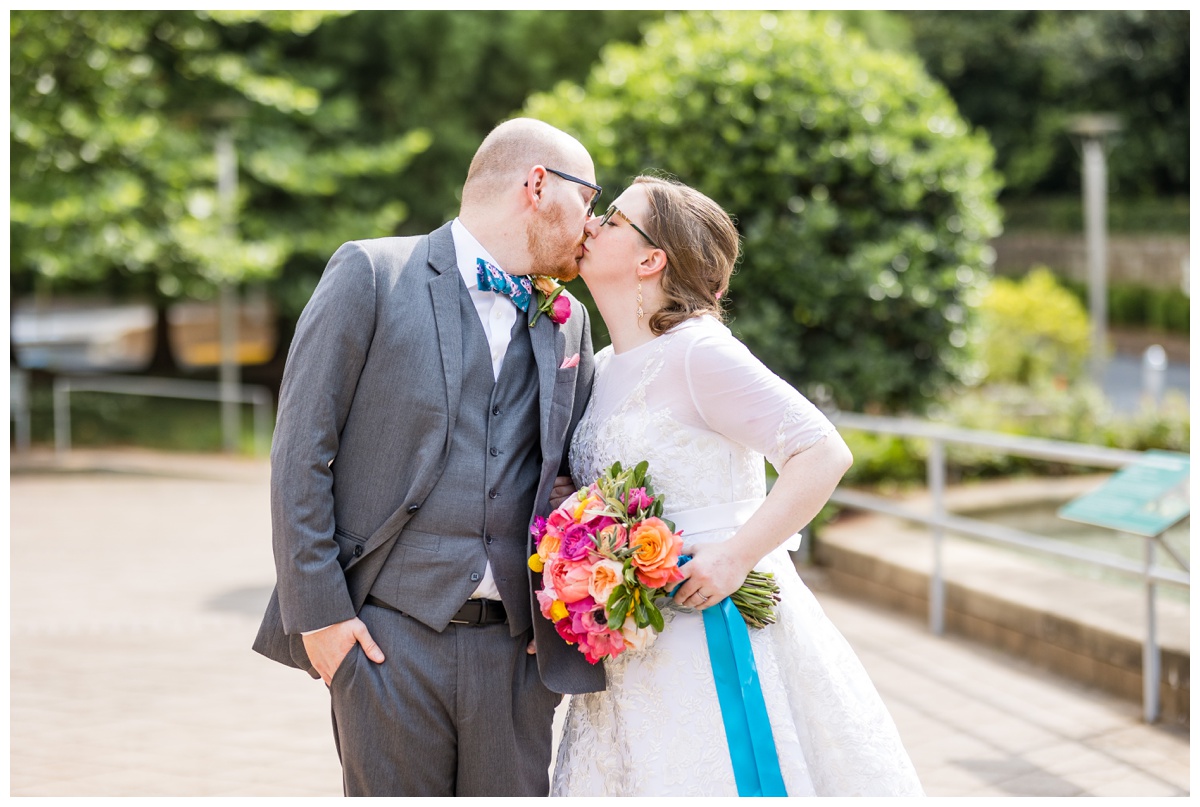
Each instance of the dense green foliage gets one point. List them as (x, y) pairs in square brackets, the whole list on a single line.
[(114, 120), (347, 125), (1021, 75), (864, 203), (1139, 306)]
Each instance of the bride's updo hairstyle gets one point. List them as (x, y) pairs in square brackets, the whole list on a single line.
[(701, 243)]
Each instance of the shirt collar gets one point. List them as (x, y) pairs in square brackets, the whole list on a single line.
[(467, 250)]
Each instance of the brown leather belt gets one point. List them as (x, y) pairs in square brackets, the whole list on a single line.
[(473, 612)]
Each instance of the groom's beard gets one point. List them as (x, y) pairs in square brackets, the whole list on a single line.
[(553, 247)]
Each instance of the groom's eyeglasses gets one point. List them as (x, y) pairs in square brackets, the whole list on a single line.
[(591, 211), (608, 214)]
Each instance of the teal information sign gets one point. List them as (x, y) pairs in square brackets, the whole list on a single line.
[(1144, 498)]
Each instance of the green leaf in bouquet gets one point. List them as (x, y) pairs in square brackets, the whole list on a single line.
[(656, 617), (639, 473), (618, 607), (641, 616)]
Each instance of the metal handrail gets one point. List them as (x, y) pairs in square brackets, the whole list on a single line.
[(260, 397), (940, 521)]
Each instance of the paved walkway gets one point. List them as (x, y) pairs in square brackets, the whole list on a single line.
[(136, 586)]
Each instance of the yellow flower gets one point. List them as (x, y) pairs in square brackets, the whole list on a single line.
[(535, 563), (559, 610)]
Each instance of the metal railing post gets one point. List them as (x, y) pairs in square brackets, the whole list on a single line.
[(936, 476), (62, 416), (1151, 659)]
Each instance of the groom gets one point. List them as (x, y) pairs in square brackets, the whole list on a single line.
[(424, 419)]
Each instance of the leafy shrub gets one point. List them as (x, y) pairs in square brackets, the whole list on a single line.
[(1139, 305), (1032, 330), (864, 201)]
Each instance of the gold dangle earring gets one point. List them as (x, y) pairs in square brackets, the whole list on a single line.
[(639, 302)]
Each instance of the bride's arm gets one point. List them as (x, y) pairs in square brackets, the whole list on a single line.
[(805, 484), (735, 395)]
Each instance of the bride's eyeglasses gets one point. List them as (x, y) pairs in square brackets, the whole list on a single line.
[(608, 214)]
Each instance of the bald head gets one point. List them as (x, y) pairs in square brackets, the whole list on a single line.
[(512, 148)]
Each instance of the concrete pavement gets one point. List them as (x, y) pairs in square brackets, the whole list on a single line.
[(138, 580)]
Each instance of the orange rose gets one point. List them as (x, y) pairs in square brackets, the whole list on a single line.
[(655, 552)]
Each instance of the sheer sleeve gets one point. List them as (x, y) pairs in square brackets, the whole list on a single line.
[(738, 396)]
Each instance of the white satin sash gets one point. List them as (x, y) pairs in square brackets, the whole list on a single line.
[(697, 522)]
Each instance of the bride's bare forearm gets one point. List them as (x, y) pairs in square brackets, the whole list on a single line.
[(805, 483)]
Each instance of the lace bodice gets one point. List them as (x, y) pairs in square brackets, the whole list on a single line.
[(703, 411)]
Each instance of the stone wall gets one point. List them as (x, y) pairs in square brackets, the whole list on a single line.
[(1157, 260)]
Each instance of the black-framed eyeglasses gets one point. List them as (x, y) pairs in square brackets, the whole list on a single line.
[(608, 214), (595, 197)]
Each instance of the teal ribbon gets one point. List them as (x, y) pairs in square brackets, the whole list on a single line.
[(747, 727), (743, 709)]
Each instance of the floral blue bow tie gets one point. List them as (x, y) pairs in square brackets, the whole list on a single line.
[(492, 278)]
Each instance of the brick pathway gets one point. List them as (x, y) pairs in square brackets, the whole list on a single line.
[(137, 582)]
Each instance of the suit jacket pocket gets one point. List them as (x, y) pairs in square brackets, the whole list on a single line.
[(347, 543)]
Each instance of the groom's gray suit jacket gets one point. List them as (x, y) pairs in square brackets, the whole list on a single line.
[(367, 412)]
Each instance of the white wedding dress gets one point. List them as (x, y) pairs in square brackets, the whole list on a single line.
[(704, 411)]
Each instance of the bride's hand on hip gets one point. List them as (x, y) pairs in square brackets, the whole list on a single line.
[(714, 572)]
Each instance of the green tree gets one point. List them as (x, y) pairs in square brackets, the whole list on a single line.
[(864, 202), (1021, 75), (350, 125), (114, 119)]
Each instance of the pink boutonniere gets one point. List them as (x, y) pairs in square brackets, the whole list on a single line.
[(553, 305)]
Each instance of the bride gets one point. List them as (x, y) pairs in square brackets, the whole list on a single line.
[(677, 389)]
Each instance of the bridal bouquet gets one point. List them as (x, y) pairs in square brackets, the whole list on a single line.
[(606, 553)]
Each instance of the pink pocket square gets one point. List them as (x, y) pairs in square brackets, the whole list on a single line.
[(570, 361)]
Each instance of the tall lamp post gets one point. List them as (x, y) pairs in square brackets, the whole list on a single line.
[(229, 375), (1092, 131)]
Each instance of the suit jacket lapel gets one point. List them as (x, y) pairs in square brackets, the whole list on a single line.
[(444, 289), (544, 355)]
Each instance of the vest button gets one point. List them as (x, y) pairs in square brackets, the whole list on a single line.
[(495, 410), (492, 493), (357, 551), (494, 451), (474, 577), (412, 508), (487, 538)]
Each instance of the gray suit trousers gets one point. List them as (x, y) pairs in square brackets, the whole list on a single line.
[(407, 728)]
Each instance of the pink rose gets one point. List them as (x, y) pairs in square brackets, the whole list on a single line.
[(538, 529), (545, 602), (638, 500), (609, 539), (597, 646), (569, 580), (576, 541), (560, 309), (583, 616), (563, 626)]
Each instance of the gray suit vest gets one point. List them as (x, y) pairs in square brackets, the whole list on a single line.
[(480, 508)]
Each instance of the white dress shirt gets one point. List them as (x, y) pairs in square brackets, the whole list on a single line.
[(497, 315)]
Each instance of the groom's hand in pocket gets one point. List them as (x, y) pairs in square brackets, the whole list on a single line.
[(327, 648)]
